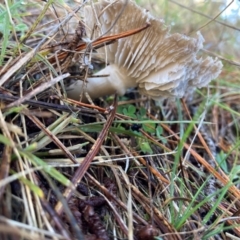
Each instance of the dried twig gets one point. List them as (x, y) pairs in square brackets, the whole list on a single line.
[(92, 153)]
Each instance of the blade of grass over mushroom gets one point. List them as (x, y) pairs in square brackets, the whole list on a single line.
[(222, 58), (93, 151), (103, 40), (98, 43)]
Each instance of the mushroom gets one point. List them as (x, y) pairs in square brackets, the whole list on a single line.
[(160, 64)]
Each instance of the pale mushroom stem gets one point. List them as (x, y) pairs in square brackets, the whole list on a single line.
[(116, 81)]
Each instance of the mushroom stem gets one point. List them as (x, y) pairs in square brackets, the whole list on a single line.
[(115, 81)]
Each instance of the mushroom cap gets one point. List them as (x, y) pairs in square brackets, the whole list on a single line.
[(160, 63)]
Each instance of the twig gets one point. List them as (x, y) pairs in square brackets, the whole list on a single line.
[(57, 107), (87, 161)]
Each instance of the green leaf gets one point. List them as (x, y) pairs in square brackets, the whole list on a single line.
[(142, 112), (21, 27), (221, 160), (145, 147), (14, 110), (131, 109), (150, 127), (159, 131)]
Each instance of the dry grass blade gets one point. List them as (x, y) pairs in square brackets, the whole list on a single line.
[(45, 105), (18, 63), (153, 170), (100, 109), (37, 90), (118, 219), (216, 16)]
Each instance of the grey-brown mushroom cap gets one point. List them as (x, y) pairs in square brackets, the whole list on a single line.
[(197, 74), (159, 63)]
